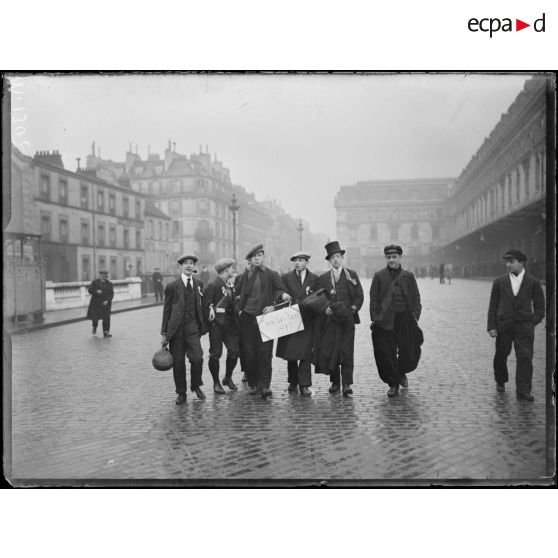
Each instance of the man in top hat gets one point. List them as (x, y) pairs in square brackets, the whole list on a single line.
[(296, 349), (342, 286), (183, 325), (516, 307), (395, 308), (218, 303), (102, 293), (259, 288)]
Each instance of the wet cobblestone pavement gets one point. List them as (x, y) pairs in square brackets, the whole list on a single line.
[(85, 407)]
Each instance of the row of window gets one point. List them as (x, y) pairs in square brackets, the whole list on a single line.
[(394, 232), (104, 204), (128, 267), (85, 229), (158, 231)]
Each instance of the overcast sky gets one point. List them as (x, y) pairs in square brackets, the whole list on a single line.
[(293, 138)]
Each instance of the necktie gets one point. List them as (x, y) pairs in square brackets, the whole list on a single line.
[(189, 284)]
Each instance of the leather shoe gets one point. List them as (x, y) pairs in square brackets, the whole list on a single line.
[(305, 392), (403, 382), (347, 391), (180, 399), (107, 334), (252, 390), (525, 396), (293, 388), (501, 387), (245, 377), (218, 388), (230, 384), (334, 388), (393, 391), (265, 393), (199, 393)]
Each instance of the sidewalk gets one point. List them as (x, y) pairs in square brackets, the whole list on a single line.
[(62, 317)]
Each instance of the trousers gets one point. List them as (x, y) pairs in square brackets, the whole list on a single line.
[(257, 354), (105, 322), (299, 372), (186, 342), (521, 335)]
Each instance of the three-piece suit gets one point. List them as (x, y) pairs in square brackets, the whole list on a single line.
[(183, 326)]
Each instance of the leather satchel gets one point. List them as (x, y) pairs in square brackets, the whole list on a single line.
[(162, 359), (317, 301)]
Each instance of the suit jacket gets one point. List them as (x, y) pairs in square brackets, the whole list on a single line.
[(380, 296), (173, 306), (504, 307), (298, 346), (213, 294), (272, 289), (356, 294)]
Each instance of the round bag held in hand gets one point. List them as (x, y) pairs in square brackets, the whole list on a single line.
[(162, 359)]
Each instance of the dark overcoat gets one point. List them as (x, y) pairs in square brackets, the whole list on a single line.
[(504, 308), (173, 307), (272, 289), (298, 346), (97, 310), (381, 309)]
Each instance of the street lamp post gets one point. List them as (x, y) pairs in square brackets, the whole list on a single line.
[(234, 207), (300, 228)]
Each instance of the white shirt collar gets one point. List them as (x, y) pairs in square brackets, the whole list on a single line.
[(516, 281), (185, 280)]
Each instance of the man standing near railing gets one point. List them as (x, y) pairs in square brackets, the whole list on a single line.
[(102, 293)]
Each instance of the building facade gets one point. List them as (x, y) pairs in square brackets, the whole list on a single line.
[(86, 223), (499, 199), (375, 213), (157, 243)]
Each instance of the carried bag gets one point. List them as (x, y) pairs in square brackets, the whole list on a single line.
[(162, 359), (316, 302)]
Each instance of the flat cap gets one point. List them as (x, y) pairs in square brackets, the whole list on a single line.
[(393, 249), (223, 263), (300, 254), (190, 256), (103, 271), (514, 254), (257, 248)]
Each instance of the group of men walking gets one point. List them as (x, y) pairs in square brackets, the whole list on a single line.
[(227, 309)]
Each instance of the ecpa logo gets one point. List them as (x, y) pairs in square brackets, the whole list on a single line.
[(492, 25)]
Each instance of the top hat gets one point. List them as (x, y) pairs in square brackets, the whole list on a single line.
[(300, 254), (190, 256), (257, 248), (513, 254), (393, 249), (333, 248)]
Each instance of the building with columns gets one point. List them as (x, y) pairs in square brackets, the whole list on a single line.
[(498, 201), (375, 213)]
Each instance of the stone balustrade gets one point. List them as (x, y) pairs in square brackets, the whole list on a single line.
[(61, 296)]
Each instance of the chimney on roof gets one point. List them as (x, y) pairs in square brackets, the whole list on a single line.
[(53, 158), (148, 150), (200, 149), (130, 147), (174, 146), (169, 147), (93, 149), (78, 159)]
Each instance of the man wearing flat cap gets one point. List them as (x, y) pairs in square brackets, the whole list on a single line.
[(394, 312), (342, 287), (296, 349), (516, 307), (102, 293), (218, 304), (258, 289), (182, 327)]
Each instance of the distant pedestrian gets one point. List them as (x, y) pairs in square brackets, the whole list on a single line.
[(335, 332), (395, 309), (259, 288), (442, 269), (296, 348), (204, 276), (218, 303), (182, 327), (516, 307), (158, 286), (102, 293), (448, 272)]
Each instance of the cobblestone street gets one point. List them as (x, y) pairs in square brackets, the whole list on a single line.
[(85, 407)]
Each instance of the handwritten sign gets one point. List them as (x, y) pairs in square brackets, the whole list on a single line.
[(280, 323)]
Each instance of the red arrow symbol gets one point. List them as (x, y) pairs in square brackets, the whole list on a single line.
[(519, 25)]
